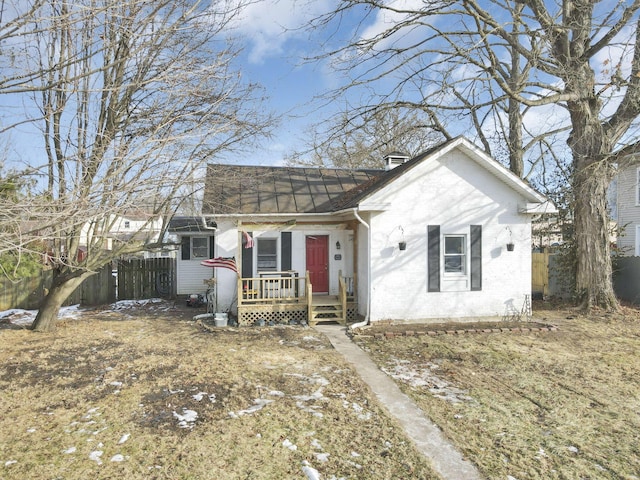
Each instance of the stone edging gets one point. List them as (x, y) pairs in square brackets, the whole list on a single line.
[(461, 331)]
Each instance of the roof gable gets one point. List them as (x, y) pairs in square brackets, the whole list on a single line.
[(357, 196), (257, 190)]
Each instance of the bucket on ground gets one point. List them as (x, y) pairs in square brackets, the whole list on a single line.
[(220, 319)]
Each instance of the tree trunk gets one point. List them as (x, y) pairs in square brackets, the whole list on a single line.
[(594, 272), (61, 290), (591, 178)]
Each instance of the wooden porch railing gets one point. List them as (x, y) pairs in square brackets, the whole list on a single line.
[(272, 287), (342, 297), (288, 287), (350, 285)]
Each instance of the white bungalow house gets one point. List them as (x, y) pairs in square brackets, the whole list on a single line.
[(445, 235)]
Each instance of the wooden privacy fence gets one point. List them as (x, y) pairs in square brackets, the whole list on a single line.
[(146, 278), (540, 273), (27, 293)]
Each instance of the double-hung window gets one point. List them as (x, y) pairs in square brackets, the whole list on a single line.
[(199, 247), (267, 254), (455, 254), (454, 261)]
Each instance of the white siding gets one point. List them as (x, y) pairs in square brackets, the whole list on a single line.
[(454, 194), (628, 210), (191, 274)]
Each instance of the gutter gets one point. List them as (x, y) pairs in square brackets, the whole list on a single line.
[(366, 320)]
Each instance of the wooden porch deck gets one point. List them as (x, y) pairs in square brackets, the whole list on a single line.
[(286, 298)]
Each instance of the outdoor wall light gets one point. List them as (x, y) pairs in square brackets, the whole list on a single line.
[(338, 246), (402, 245)]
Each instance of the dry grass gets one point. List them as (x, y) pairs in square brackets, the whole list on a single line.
[(97, 400), (550, 405)]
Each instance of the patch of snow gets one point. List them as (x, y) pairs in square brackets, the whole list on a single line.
[(70, 450), (309, 408), (10, 462), (362, 415), (95, 456), (187, 419), (322, 457), (422, 376), (72, 311), (124, 438), (19, 317), (311, 473), (287, 444), (258, 404), (116, 384), (315, 443), (117, 458), (573, 449), (355, 454), (199, 396)]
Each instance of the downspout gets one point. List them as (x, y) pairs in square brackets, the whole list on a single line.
[(365, 322)]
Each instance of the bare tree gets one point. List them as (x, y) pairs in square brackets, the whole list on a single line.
[(561, 77), (362, 140), (129, 97)]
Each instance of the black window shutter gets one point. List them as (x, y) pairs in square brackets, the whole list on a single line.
[(285, 251), (247, 261), (476, 257), (433, 258), (212, 245), (185, 248)]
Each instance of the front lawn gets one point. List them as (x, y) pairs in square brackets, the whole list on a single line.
[(563, 404), (140, 393)]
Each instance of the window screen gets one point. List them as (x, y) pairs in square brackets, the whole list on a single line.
[(267, 254), (454, 254), (199, 247)]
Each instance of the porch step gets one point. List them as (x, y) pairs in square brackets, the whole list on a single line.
[(326, 309)]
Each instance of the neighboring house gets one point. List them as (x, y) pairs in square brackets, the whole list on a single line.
[(445, 235), (138, 227), (547, 232), (627, 210), (196, 243)]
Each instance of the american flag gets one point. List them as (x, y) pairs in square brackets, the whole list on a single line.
[(248, 240), (221, 262)]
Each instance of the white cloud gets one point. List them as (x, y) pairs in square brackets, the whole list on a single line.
[(268, 25)]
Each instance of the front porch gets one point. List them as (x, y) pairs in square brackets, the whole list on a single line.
[(285, 297)]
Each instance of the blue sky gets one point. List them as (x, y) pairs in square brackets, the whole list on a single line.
[(275, 47)]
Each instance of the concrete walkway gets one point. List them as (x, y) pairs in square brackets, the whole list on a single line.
[(445, 458)]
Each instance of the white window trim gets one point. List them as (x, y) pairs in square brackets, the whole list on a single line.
[(465, 266), (638, 187)]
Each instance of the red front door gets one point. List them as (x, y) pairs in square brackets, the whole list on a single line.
[(318, 262)]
